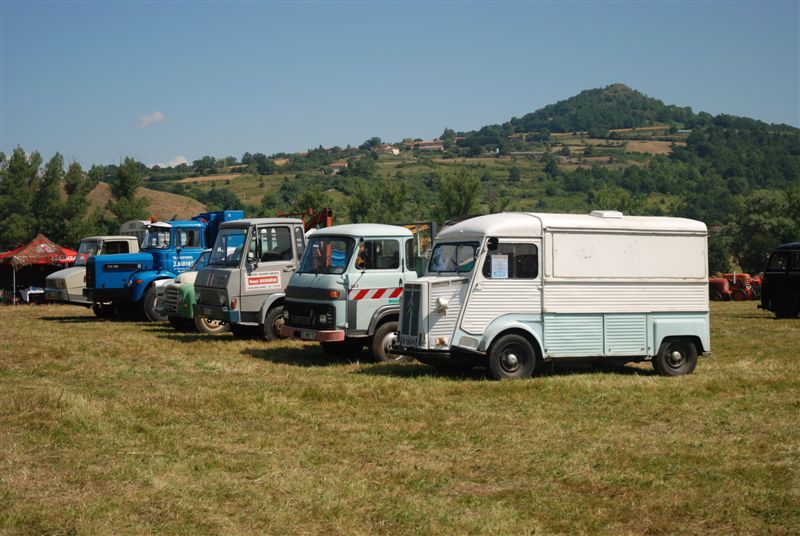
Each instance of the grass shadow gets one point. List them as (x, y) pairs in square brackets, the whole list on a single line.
[(302, 357), (77, 319)]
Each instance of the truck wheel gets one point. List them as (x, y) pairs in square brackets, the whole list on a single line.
[(383, 337), (103, 310), (784, 308), (345, 348), (210, 326), (511, 357), (149, 307), (675, 358), (273, 322), (715, 296)]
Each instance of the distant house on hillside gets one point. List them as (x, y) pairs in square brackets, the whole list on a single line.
[(432, 145), (337, 166), (386, 148)]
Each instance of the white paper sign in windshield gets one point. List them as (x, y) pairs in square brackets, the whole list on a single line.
[(499, 266)]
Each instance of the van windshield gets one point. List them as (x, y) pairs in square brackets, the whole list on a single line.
[(86, 250), (327, 255), (228, 247), (456, 257)]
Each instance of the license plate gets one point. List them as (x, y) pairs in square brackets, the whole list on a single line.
[(408, 340), (308, 335)]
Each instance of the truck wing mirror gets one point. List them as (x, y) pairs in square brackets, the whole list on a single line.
[(492, 243)]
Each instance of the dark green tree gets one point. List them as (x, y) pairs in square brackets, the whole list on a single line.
[(458, 192)]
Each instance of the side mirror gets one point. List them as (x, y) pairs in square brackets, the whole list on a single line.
[(492, 243), (251, 257)]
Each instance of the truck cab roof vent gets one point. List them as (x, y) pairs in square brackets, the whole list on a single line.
[(606, 214)]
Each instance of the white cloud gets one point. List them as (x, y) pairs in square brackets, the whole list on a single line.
[(153, 118), (177, 161)]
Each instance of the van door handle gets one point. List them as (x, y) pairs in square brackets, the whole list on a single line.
[(288, 268)]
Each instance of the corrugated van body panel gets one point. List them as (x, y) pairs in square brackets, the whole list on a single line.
[(626, 334), (443, 325), (499, 297), (573, 335), (628, 297)]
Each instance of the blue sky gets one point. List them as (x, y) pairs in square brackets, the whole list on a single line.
[(102, 80)]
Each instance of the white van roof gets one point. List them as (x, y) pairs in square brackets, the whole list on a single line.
[(362, 229), (510, 224)]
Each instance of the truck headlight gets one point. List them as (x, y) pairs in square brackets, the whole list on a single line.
[(323, 318), (286, 314)]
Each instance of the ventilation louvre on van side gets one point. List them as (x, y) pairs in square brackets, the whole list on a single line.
[(606, 214)]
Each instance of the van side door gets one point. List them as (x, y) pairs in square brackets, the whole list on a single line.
[(508, 282)]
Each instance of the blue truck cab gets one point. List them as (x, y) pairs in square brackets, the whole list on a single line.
[(120, 285)]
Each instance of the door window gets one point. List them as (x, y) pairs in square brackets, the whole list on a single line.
[(411, 254), (112, 248), (275, 244), (512, 261), (794, 262), (777, 263), (299, 240), (378, 255)]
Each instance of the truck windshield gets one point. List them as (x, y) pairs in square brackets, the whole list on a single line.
[(327, 255), (228, 247), (456, 257), (201, 262), (86, 250), (157, 237)]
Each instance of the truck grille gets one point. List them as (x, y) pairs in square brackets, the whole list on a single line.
[(307, 315), (90, 275), (171, 300), (409, 320)]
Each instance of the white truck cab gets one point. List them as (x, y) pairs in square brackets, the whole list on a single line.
[(512, 290), (345, 293), (66, 286)]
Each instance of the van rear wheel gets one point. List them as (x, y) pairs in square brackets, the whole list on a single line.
[(676, 358), (512, 356)]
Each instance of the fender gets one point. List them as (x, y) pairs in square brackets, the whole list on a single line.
[(381, 314), (147, 277), (271, 300), (528, 324), (684, 325)]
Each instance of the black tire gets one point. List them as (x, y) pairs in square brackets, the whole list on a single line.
[(345, 348), (210, 326), (676, 358), (149, 306), (273, 322), (103, 310), (511, 357), (784, 308), (715, 296), (739, 295), (381, 339)]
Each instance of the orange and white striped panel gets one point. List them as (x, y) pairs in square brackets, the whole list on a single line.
[(374, 293)]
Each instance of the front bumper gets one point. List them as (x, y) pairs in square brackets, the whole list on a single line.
[(56, 295), (215, 312), (333, 335)]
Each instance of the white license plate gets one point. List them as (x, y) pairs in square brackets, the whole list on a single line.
[(408, 340), (308, 335)]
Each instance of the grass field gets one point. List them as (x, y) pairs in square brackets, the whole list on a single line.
[(119, 428)]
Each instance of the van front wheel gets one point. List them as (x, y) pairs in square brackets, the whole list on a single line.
[(273, 322), (511, 356), (676, 358)]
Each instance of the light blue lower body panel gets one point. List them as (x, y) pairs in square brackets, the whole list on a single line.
[(619, 335)]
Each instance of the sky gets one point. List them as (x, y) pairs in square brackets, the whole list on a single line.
[(165, 81)]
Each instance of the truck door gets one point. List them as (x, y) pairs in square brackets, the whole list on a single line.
[(273, 250), (508, 282), (376, 281), (186, 248)]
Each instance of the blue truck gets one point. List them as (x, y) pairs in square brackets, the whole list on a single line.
[(124, 285)]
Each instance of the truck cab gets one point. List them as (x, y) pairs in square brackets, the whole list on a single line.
[(346, 292), (66, 286), (126, 283), (780, 288), (250, 265)]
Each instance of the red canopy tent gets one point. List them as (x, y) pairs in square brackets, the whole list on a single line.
[(40, 250)]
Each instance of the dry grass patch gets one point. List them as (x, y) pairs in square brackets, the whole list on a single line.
[(113, 427)]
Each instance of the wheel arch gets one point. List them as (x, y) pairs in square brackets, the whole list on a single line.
[(521, 330), (273, 300), (381, 316)]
